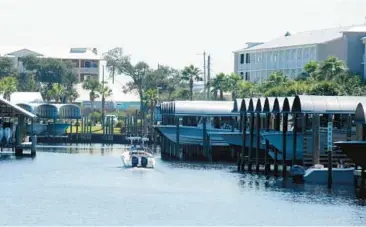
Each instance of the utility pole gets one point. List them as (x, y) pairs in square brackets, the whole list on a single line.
[(204, 73), (208, 76)]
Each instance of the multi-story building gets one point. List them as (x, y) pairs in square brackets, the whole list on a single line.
[(85, 61), (291, 52)]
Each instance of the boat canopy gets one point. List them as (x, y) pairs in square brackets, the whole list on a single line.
[(199, 108), (325, 104), (50, 110)]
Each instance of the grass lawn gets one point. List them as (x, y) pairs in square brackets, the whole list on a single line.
[(94, 129)]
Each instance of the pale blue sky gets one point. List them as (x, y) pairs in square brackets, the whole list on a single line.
[(170, 32)]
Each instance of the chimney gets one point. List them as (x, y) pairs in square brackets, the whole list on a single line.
[(95, 51)]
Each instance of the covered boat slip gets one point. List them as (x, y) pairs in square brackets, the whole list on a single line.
[(286, 124), (53, 119), (13, 131), (187, 128)]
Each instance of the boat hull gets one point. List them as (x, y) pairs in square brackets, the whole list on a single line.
[(355, 150), (39, 129), (320, 176), (128, 161), (193, 135)]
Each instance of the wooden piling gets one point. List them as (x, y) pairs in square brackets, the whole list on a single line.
[(330, 150), (258, 142), (284, 138), (251, 142), (244, 131)]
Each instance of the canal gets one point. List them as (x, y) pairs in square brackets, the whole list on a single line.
[(84, 185)]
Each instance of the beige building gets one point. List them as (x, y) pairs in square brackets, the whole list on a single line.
[(86, 61)]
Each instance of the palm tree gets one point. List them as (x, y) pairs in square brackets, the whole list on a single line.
[(232, 83), (151, 98), (330, 68), (191, 74), (72, 94), (218, 84), (8, 85), (58, 91), (92, 85), (105, 92)]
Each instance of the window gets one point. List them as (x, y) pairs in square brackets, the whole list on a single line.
[(87, 64), (247, 76), (247, 58), (241, 58), (241, 75)]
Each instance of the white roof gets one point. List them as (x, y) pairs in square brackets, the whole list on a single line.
[(117, 94), (304, 38), (361, 28), (53, 52), (26, 97)]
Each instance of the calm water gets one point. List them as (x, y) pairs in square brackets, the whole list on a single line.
[(90, 187)]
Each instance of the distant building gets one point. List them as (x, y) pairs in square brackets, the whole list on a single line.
[(291, 52), (85, 61)]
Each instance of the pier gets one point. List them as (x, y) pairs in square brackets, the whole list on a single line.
[(14, 132), (269, 135)]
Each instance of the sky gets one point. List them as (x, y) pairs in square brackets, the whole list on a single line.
[(169, 32)]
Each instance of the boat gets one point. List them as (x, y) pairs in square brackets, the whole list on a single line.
[(194, 134), (355, 150), (39, 129), (275, 139), (138, 155)]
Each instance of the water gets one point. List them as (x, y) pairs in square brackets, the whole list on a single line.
[(70, 186)]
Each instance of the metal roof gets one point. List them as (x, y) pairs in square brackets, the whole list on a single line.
[(326, 104), (252, 105), (302, 38), (244, 104), (200, 108), (260, 104), (50, 110), (269, 104), (237, 103), (10, 109), (360, 116), (287, 105)]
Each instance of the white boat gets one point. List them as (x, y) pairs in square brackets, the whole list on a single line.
[(138, 155)]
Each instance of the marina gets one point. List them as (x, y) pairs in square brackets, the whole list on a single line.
[(307, 131)]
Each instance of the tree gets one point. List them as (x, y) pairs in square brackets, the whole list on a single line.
[(58, 92), (104, 92), (8, 85), (218, 85), (330, 68), (92, 85), (7, 67), (71, 95), (326, 88), (151, 98), (191, 74), (232, 84), (115, 59)]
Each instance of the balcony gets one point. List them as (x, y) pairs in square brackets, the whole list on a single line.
[(84, 70)]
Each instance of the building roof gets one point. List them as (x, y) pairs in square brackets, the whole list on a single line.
[(306, 38), (10, 109), (26, 97), (51, 52)]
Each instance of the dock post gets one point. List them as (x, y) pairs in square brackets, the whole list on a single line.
[(34, 145), (362, 193), (258, 142), (349, 127), (251, 142), (266, 165), (245, 117), (330, 150), (284, 138), (277, 128), (294, 148), (316, 138), (177, 142)]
